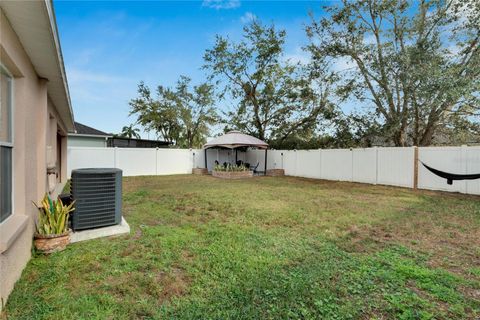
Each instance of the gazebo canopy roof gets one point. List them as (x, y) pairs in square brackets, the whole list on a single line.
[(236, 139)]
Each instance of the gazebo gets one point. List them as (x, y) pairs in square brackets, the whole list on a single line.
[(236, 140)]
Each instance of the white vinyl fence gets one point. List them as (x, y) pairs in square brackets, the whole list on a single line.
[(389, 166), (386, 166), (136, 161), (461, 160)]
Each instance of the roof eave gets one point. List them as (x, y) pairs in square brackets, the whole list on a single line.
[(35, 26), (234, 146), (68, 116)]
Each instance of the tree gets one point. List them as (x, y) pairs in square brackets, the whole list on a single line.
[(130, 132), (181, 115), (417, 63), (274, 98)]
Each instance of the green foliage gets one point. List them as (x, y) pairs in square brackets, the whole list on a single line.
[(412, 68), (180, 115), (274, 98), (230, 167), (130, 132), (416, 64), (53, 216)]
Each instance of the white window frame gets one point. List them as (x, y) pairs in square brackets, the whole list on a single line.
[(12, 139)]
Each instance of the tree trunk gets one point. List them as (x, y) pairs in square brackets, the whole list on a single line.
[(427, 136)]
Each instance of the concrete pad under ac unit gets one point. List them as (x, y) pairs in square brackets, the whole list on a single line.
[(83, 235)]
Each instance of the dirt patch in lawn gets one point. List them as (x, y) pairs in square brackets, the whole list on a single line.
[(446, 246), (174, 283)]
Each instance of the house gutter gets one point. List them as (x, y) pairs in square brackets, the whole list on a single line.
[(68, 119)]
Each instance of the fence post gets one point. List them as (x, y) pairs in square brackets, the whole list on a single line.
[(320, 163), (352, 166), (156, 161), (464, 161), (115, 157), (415, 168), (296, 162)]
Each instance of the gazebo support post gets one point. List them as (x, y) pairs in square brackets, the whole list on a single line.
[(265, 171), (206, 159), (236, 156)]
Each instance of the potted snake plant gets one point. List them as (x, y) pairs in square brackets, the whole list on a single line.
[(52, 233)]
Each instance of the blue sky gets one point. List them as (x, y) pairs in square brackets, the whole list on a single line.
[(109, 47)]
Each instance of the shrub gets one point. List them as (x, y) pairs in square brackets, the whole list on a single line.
[(52, 216), (230, 167)]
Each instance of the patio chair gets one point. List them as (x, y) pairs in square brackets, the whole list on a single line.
[(254, 168)]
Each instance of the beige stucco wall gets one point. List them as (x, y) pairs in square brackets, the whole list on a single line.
[(33, 130)]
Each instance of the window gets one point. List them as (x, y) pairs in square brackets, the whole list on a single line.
[(6, 144)]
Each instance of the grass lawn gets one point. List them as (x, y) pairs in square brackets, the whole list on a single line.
[(279, 247)]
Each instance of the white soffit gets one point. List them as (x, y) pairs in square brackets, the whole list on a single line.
[(35, 25)]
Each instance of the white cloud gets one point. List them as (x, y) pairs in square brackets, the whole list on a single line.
[(81, 76), (221, 4), (84, 56), (248, 17)]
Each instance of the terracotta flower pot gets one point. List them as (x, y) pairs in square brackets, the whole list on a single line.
[(52, 243)]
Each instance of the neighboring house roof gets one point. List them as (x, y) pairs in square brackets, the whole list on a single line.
[(123, 142), (81, 129), (236, 139), (35, 25)]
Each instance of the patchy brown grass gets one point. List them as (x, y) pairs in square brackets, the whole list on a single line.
[(451, 243), (267, 247), (174, 283)]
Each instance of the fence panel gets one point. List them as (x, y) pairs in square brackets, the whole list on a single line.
[(198, 158), (448, 159), (86, 157), (290, 162), (395, 166), (308, 163), (388, 166), (336, 164), (473, 167), (275, 159), (365, 165), (136, 161), (174, 161)]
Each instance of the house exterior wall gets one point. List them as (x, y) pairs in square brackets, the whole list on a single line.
[(83, 141), (35, 122)]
